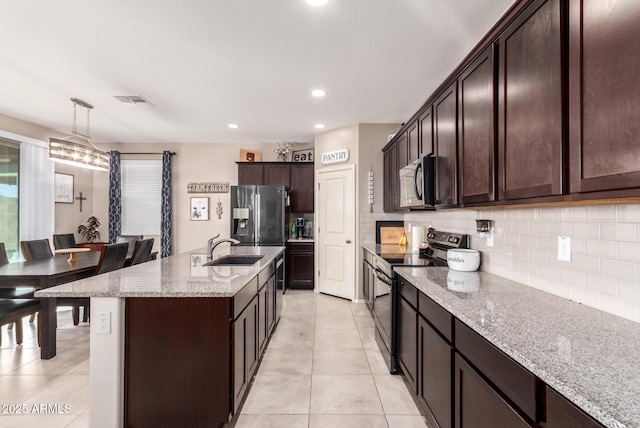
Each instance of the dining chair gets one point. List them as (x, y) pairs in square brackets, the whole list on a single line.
[(141, 251), (129, 239), (13, 310), (66, 240), (112, 257), (17, 292), (38, 249)]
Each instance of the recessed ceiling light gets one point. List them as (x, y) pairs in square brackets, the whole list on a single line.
[(318, 93), (317, 3), (232, 126), (319, 126)]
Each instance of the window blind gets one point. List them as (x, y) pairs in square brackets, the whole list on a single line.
[(141, 185)]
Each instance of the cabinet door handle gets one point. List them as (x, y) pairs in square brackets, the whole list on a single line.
[(348, 241)]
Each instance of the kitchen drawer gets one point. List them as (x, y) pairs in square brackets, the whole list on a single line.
[(265, 274), (408, 291), (437, 316), (515, 382), (244, 296)]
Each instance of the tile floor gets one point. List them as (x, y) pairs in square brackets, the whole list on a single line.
[(29, 382), (322, 368)]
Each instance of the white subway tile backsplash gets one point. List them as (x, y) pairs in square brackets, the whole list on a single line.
[(585, 229), (618, 269), (629, 213), (618, 231), (573, 213), (604, 271), (629, 251), (551, 214), (600, 248), (601, 213), (585, 263), (616, 306), (572, 277), (629, 290), (559, 228), (586, 297), (602, 284)]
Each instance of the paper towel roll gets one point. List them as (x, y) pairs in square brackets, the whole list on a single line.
[(417, 236)]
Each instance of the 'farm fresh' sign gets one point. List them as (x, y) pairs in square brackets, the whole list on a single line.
[(336, 156)]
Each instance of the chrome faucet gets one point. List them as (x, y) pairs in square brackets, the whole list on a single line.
[(215, 241)]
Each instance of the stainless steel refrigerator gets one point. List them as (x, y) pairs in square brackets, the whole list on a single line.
[(258, 214)]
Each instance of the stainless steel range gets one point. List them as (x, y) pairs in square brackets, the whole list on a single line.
[(383, 293)]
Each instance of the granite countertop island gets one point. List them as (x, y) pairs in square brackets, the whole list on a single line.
[(181, 275), (146, 320), (589, 356)]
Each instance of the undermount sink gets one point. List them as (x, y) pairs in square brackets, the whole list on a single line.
[(234, 260)]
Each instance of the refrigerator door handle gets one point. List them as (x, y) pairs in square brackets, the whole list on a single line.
[(257, 214)]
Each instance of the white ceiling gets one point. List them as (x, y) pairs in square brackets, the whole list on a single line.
[(207, 63)]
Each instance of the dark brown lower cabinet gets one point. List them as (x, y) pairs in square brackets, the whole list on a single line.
[(189, 361), (300, 265), (407, 341), (477, 404), (435, 387), (563, 414)]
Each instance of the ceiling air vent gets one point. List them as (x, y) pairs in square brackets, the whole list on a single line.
[(132, 100)]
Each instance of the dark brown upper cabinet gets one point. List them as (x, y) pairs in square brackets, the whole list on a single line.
[(391, 198), (276, 174), (530, 104), (445, 133), (477, 127), (426, 132), (413, 143), (403, 151), (250, 173), (302, 188), (604, 95)]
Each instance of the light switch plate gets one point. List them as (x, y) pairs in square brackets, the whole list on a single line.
[(564, 248)]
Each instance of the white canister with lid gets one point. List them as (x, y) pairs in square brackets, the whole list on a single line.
[(463, 260)]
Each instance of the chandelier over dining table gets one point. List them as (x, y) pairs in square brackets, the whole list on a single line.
[(78, 149)]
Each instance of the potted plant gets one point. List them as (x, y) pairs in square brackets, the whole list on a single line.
[(90, 233)]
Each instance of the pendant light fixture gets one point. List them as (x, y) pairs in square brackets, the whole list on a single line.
[(78, 149)]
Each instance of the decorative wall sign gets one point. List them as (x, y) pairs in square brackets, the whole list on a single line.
[(200, 209), (208, 188), (63, 188), (336, 156), (302, 155)]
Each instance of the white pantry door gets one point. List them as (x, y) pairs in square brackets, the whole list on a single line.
[(336, 234)]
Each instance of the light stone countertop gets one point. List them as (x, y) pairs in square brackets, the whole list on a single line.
[(589, 356), (300, 240), (177, 276)]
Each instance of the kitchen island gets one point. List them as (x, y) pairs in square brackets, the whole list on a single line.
[(176, 343)]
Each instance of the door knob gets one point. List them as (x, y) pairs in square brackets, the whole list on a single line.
[(348, 241)]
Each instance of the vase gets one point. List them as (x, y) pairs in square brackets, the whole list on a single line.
[(282, 157)]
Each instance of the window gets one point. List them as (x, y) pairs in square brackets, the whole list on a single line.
[(9, 201), (141, 196)]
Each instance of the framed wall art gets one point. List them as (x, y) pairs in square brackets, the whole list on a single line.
[(199, 209), (63, 188)]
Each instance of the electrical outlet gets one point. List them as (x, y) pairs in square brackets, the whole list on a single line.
[(104, 323), (490, 238), (564, 248)]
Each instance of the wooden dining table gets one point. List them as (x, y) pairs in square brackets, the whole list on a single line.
[(43, 274)]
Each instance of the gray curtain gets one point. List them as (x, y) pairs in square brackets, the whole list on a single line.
[(115, 196), (165, 221)]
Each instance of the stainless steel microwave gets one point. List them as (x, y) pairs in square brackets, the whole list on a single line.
[(417, 184)]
